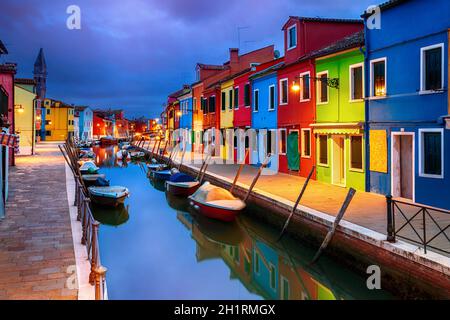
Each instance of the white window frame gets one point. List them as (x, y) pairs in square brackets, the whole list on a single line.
[(281, 91), (274, 101), (289, 47), (372, 62), (422, 68), (318, 151), (254, 100), (319, 91), (281, 141), (272, 267), (301, 86), (282, 287), (302, 139), (234, 97), (350, 152), (351, 83), (421, 160)]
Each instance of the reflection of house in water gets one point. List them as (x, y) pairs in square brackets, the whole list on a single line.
[(106, 157)]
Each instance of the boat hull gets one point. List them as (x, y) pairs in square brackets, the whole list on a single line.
[(214, 212), (108, 142), (180, 191), (108, 201), (164, 176)]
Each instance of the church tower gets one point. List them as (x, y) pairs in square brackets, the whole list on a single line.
[(40, 75)]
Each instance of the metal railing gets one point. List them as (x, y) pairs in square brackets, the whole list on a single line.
[(425, 227), (89, 239)]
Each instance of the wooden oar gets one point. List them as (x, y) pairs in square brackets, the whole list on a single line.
[(338, 219), (182, 158), (294, 208), (239, 171), (261, 168)]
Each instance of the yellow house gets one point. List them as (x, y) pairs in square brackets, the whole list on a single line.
[(226, 118), (25, 114), (59, 120)]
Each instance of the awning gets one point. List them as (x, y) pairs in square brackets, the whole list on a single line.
[(338, 128)]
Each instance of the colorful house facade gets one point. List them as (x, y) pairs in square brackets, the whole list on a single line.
[(407, 88), (296, 111), (85, 122), (59, 120), (25, 106), (340, 113)]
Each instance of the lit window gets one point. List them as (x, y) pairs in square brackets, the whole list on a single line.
[(378, 78), (431, 153), (356, 152), (432, 68), (323, 150), (284, 91)]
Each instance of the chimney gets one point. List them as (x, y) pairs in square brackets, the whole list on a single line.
[(234, 58)]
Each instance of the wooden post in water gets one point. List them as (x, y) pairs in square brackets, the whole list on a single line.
[(239, 171), (294, 208), (338, 219), (263, 166)]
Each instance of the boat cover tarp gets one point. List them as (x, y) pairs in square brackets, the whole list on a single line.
[(110, 192), (181, 177)]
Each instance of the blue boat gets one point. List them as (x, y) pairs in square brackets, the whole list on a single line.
[(162, 174)]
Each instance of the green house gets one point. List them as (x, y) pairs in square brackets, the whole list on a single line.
[(340, 113)]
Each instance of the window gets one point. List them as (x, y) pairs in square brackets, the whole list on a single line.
[(432, 68), (272, 275), (48, 111), (204, 105), (292, 37), (212, 104), (322, 88), (257, 262), (271, 97), (284, 288), (378, 78), (47, 122), (304, 84), (284, 91), (236, 98), (283, 141), (247, 95), (230, 99), (356, 82), (194, 102), (356, 153), (48, 133), (323, 150), (431, 146), (224, 100), (306, 143), (269, 142), (256, 101)]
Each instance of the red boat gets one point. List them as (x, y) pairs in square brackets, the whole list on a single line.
[(108, 141), (216, 203)]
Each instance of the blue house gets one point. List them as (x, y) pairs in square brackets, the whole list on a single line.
[(186, 115), (264, 113), (86, 122), (265, 269), (407, 101)]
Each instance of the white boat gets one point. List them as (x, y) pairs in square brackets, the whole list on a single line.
[(123, 154), (89, 167), (109, 196)]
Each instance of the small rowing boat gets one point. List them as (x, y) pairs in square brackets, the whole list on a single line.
[(108, 196), (89, 167), (92, 179), (181, 184), (216, 203)]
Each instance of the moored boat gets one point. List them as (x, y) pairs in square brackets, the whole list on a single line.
[(108, 196), (216, 203), (92, 179), (108, 141), (181, 184), (89, 167)]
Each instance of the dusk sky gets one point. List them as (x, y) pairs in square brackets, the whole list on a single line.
[(131, 54)]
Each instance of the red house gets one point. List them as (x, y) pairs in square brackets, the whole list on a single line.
[(296, 87)]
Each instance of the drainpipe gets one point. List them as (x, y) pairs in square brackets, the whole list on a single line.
[(366, 104), (33, 125)]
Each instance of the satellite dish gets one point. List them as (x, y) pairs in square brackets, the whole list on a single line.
[(276, 54)]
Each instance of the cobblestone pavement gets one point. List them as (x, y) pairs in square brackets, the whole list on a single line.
[(36, 246)]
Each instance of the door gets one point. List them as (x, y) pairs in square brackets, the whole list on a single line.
[(403, 165), (293, 156), (338, 162)]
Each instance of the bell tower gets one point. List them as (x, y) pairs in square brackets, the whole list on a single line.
[(40, 75)]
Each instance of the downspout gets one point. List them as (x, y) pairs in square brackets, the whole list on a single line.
[(33, 125), (366, 104)]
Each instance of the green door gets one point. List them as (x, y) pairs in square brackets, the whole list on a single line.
[(293, 156)]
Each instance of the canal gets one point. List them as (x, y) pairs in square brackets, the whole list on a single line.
[(156, 247)]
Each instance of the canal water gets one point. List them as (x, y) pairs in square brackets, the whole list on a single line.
[(156, 247)]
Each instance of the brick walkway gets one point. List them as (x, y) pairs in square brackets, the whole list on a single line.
[(35, 237)]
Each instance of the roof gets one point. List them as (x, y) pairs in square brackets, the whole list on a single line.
[(3, 49), (324, 20), (210, 66), (80, 108), (267, 70), (231, 76), (185, 90), (8, 67), (24, 81), (354, 40), (387, 5)]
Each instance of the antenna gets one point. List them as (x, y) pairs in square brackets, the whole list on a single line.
[(239, 34)]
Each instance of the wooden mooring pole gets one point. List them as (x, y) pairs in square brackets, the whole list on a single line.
[(239, 171), (294, 208), (338, 219), (263, 166)]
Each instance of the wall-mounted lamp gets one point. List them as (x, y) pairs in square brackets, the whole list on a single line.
[(19, 108)]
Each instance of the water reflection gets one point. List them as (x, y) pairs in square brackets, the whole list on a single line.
[(168, 251), (111, 216)]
